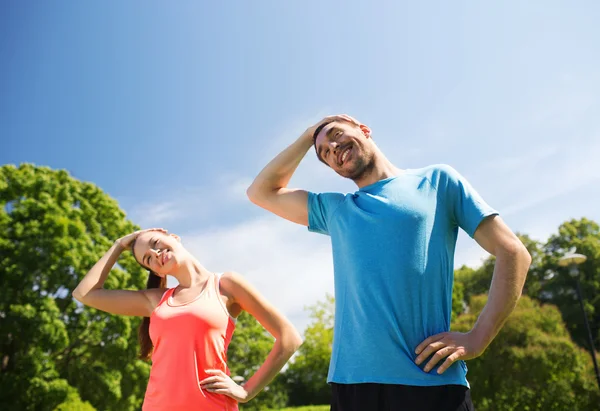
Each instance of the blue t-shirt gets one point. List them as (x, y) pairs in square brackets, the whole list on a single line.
[(393, 254)]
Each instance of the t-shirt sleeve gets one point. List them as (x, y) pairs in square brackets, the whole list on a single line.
[(320, 209), (465, 206)]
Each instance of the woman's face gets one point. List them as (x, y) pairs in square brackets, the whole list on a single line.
[(158, 252)]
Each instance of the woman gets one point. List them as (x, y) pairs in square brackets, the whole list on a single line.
[(188, 328)]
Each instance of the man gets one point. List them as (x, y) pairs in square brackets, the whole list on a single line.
[(393, 247)]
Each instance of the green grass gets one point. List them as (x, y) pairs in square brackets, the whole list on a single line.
[(308, 408)]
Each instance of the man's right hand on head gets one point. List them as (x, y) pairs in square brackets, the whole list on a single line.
[(309, 133)]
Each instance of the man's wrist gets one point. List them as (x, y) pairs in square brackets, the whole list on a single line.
[(481, 336), (307, 138)]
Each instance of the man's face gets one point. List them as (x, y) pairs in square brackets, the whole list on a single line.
[(346, 148)]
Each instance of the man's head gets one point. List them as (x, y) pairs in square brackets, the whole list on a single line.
[(345, 146)]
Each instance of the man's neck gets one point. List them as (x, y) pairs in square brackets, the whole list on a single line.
[(383, 169)]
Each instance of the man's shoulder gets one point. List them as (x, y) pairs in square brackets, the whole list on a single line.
[(329, 194), (327, 197), (432, 169), (436, 174)]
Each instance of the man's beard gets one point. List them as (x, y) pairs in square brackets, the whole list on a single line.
[(362, 168)]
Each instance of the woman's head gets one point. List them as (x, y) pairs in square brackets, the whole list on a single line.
[(158, 252)]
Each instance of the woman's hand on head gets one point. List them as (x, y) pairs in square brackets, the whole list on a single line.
[(126, 241)]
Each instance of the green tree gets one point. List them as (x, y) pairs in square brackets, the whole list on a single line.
[(535, 275), (474, 281), (459, 301), (247, 351), (531, 365), (557, 286), (478, 280), (53, 228), (74, 403), (307, 375)]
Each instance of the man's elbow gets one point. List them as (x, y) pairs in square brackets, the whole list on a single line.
[(527, 257), (257, 195), (522, 254), (518, 253), (253, 193), (515, 249)]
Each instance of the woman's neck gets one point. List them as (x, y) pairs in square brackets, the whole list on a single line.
[(191, 274)]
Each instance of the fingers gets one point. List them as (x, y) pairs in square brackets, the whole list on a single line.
[(209, 380), (430, 349), (349, 118), (449, 361), (215, 372), (162, 230), (135, 234), (344, 117), (452, 346), (438, 347), (223, 391), (441, 353), (428, 341), (217, 377), (219, 385)]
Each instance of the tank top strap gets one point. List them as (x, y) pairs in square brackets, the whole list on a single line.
[(216, 284), (167, 294), (217, 279)]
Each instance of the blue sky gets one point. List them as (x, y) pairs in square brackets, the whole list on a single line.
[(172, 109)]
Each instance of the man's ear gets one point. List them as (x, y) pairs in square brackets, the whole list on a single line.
[(366, 130)]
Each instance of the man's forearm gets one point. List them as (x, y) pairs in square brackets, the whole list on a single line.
[(279, 171), (510, 272)]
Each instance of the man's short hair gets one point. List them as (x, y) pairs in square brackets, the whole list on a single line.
[(318, 130)]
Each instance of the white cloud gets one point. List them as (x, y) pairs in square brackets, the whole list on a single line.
[(180, 205), (558, 172), (237, 188), (154, 214), (564, 104), (194, 205), (468, 252), (529, 160), (227, 191), (291, 267)]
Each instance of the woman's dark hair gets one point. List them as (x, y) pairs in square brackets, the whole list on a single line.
[(154, 281)]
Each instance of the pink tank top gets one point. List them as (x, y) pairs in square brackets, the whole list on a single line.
[(189, 339)]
